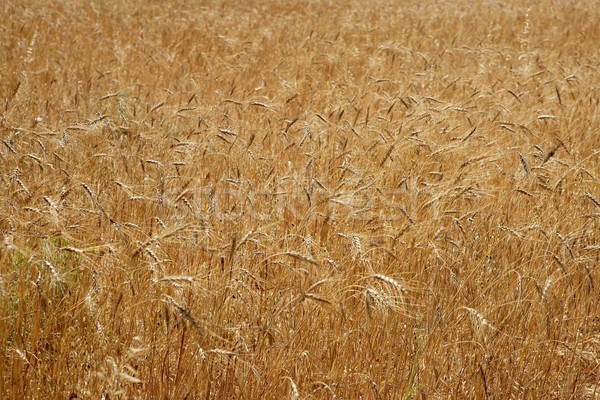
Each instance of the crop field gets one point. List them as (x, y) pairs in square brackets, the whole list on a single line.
[(299, 199)]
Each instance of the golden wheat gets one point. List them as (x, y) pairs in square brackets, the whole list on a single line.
[(311, 199)]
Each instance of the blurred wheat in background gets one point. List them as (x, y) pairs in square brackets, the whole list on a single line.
[(305, 200)]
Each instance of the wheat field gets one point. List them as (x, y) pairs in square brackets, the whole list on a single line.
[(299, 199)]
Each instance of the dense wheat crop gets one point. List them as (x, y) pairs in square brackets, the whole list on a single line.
[(303, 200)]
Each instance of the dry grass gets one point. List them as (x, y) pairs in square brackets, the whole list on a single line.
[(299, 199)]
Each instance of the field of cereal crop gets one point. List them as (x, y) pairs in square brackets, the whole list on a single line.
[(299, 199)]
